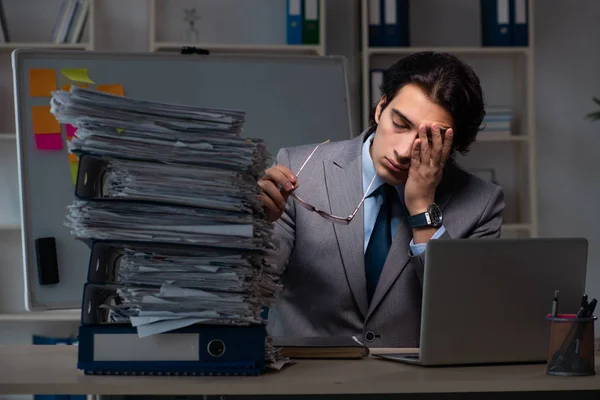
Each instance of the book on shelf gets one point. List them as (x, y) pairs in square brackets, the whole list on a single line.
[(498, 119)]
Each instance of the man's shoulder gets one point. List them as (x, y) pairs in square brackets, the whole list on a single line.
[(467, 183)]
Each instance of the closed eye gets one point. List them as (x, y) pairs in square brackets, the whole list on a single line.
[(400, 126)]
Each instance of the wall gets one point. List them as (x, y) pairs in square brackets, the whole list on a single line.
[(567, 76)]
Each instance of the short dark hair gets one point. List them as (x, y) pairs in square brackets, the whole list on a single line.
[(447, 81)]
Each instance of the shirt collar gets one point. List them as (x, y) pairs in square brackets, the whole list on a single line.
[(368, 170)]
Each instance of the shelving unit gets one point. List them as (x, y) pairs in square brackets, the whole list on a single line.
[(42, 13), (522, 138), (242, 45), (68, 46)]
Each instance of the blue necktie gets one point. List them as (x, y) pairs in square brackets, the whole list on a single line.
[(380, 240)]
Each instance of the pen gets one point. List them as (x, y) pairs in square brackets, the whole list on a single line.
[(555, 304), (584, 301), (590, 308)]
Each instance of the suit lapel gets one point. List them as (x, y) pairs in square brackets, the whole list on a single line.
[(398, 255), (343, 179)]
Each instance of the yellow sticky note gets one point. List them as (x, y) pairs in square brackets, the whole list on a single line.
[(67, 87), (43, 120), (120, 130), (74, 168), (42, 82), (77, 74), (112, 89)]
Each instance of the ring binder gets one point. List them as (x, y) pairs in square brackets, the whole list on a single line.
[(110, 350), (177, 278)]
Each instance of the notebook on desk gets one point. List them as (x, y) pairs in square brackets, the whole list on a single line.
[(321, 347), (484, 301)]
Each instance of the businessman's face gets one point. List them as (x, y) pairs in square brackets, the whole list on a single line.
[(397, 129)]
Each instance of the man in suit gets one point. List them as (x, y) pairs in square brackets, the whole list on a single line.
[(363, 275)]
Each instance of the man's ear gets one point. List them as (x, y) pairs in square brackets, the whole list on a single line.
[(379, 109)]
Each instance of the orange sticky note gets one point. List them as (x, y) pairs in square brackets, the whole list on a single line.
[(42, 82), (112, 89), (73, 158), (74, 168), (43, 121), (67, 87)]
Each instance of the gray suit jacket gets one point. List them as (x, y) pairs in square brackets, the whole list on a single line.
[(322, 263)]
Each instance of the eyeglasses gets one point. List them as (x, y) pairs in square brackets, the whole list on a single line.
[(324, 214)]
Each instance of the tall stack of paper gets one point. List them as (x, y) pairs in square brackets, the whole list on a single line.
[(167, 196)]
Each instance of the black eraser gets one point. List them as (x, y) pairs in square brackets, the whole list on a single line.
[(47, 261)]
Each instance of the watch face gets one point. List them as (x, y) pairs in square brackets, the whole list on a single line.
[(435, 213)]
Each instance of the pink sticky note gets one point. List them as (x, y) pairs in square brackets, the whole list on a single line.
[(71, 130), (50, 141)]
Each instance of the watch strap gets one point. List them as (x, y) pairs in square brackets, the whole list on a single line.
[(419, 220)]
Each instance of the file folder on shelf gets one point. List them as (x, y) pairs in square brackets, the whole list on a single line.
[(495, 23), (193, 350), (294, 21), (375, 24), (519, 22), (311, 24), (396, 23)]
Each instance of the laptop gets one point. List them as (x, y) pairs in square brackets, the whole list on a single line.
[(485, 300)]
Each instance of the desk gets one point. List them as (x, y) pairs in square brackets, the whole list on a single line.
[(52, 369)]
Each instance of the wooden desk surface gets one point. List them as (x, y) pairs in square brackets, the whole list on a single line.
[(52, 370)]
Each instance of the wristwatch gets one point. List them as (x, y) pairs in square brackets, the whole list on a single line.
[(431, 217)]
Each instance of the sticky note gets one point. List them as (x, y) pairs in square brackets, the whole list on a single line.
[(42, 82), (112, 89), (77, 74), (74, 168), (43, 121), (73, 158), (49, 142), (70, 130), (120, 130), (67, 87)]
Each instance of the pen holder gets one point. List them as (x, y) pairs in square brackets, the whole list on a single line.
[(571, 349)]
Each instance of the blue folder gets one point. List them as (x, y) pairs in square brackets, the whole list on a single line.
[(396, 28), (294, 21), (520, 22), (375, 15), (195, 350), (495, 23)]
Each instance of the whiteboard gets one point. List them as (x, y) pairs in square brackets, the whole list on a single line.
[(290, 100)]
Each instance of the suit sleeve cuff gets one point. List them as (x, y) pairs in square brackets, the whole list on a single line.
[(416, 249)]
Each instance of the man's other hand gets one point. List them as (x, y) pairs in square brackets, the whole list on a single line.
[(276, 184)]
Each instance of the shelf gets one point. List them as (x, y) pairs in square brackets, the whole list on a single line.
[(240, 48), (500, 137), (60, 315), (455, 50), (8, 136), (26, 45)]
